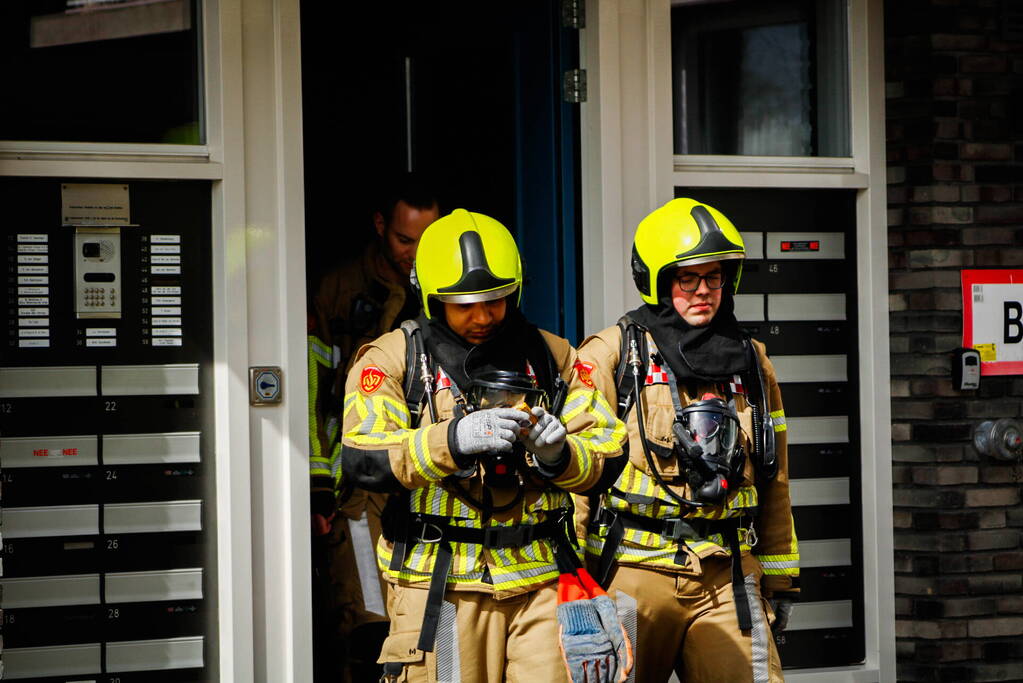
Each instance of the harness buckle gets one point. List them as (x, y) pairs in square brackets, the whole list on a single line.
[(676, 529), (504, 536), (423, 538)]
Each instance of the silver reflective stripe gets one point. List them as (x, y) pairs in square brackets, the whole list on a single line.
[(626, 605), (449, 667), (760, 635), (366, 564)]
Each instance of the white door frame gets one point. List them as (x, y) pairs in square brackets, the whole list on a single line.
[(628, 170), (253, 156)]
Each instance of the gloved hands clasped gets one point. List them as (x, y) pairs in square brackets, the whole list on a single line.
[(495, 430), (546, 438)]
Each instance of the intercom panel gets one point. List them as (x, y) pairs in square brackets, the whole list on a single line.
[(106, 429)]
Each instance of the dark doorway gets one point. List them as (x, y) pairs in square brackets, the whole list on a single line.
[(466, 93)]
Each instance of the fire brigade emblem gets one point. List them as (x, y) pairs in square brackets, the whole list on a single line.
[(372, 378), (585, 372)]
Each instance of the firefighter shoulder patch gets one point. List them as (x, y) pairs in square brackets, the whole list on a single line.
[(585, 372), (371, 379)]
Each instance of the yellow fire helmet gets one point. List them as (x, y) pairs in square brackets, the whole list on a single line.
[(682, 232), (466, 257)]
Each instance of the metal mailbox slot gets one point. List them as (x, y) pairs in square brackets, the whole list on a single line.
[(50, 591), (168, 584), (132, 518), (154, 655), (47, 382), (60, 660), (150, 380), (62, 520), (141, 449)]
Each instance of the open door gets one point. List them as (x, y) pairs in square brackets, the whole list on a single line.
[(466, 93)]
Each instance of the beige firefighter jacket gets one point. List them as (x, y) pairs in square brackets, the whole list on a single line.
[(381, 448), (763, 505)]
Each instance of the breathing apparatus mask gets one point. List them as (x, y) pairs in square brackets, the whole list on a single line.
[(707, 440), (504, 389)]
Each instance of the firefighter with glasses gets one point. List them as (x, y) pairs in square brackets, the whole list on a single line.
[(696, 534), (479, 425)]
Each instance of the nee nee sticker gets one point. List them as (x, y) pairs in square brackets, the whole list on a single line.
[(993, 319)]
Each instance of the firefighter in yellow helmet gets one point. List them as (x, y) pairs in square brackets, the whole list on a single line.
[(696, 534), (479, 425)]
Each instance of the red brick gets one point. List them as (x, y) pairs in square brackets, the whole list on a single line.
[(995, 193), (931, 386), (1002, 474), (947, 171), (900, 432), (983, 64), (999, 257), (985, 152), (993, 539), (992, 519), (1002, 213), (931, 630), (939, 258), (958, 42), (944, 476), (996, 627), (987, 236), (992, 497), (947, 129), (1006, 562)]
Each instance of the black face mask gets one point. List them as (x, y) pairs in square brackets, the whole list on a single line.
[(515, 342), (711, 353)]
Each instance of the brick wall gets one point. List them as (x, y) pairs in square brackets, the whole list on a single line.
[(955, 200)]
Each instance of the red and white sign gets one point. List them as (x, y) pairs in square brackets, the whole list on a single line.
[(993, 319)]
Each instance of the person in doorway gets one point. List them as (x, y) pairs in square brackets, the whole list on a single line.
[(358, 301), (477, 424), (697, 532)]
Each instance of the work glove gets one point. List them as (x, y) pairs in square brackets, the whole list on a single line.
[(613, 627), (782, 608), (492, 430), (594, 644), (546, 439), (587, 651)]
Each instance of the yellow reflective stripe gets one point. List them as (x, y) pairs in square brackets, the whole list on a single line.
[(335, 464), (778, 417), (315, 449), (421, 460), (370, 431), (320, 352), (605, 436)]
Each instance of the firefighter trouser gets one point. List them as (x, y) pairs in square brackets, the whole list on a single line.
[(687, 623), (479, 639)]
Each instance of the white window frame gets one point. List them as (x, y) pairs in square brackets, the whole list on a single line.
[(628, 170), (253, 155)]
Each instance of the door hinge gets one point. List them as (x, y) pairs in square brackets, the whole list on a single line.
[(574, 86), (573, 14)]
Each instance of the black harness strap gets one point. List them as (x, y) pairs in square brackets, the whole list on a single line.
[(624, 381), (437, 529)]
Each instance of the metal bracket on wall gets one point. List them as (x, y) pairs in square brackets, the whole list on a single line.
[(574, 86), (573, 14)]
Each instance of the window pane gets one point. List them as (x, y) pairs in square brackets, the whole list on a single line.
[(760, 78), (101, 71)]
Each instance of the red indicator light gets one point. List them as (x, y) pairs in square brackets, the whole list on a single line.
[(815, 246), (786, 246)]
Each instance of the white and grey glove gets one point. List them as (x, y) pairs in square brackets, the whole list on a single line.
[(782, 611), (546, 440), (492, 430)]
